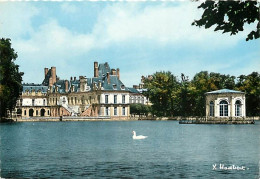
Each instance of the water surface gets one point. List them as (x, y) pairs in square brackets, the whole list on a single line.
[(106, 149)]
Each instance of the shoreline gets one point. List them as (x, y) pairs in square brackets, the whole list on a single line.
[(182, 120)]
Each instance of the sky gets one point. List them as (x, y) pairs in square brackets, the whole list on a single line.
[(139, 38)]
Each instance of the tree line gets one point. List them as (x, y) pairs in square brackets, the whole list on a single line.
[(10, 78), (173, 96)]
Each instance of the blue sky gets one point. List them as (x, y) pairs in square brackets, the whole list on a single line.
[(140, 38)]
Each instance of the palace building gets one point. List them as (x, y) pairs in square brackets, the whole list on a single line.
[(225, 104), (102, 95)]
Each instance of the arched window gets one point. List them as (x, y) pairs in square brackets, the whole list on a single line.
[(211, 108), (42, 112), (223, 108), (44, 102), (19, 112), (30, 112), (238, 111)]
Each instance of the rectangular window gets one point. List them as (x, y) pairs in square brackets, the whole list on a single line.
[(33, 102), (107, 111), (25, 112), (115, 99), (123, 112), (115, 111), (123, 99), (106, 99), (226, 110)]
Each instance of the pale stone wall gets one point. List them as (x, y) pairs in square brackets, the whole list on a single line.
[(36, 111), (111, 97), (231, 99)]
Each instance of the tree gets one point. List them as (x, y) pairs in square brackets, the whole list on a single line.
[(230, 16), (250, 84), (10, 77), (160, 88), (139, 109)]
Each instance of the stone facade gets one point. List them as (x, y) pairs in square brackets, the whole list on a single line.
[(102, 95), (225, 104), (136, 94)]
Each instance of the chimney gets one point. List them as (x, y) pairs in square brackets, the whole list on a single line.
[(113, 72), (66, 86), (135, 86), (50, 81), (108, 78), (53, 74), (99, 84), (45, 72), (118, 73), (95, 69)]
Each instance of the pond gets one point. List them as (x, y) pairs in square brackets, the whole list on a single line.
[(106, 149)]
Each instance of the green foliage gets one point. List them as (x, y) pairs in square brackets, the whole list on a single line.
[(250, 84), (185, 97), (160, 90), (10, 77), (139, 109), (204, 82), (230, 16)]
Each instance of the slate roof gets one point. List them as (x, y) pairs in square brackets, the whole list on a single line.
[(103, 68), (114, 85), (224, 91), (35, 87), (133, 90)]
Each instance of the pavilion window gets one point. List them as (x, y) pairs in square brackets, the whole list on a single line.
[(238, 107), (211, 108), (223, 108)]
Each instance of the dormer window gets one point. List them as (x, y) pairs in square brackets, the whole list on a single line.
[(122, 87), (114, 86), (87, 88)]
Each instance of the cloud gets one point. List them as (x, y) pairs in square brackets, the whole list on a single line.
[(119, 25), (68, 8), (15, 21), (161, 23)]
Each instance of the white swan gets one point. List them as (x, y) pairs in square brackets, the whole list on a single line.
[(139, 136)]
